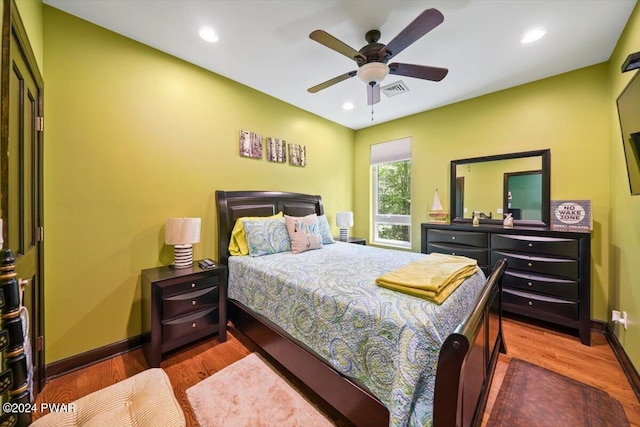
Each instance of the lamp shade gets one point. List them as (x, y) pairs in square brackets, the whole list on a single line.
[(373, 72), (182, 231), (344, 219)]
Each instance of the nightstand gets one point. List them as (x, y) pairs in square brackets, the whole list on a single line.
[(180, 306), (356, 240)]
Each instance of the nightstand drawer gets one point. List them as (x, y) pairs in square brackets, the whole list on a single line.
[(538, 244), (480, 255), (527, 303), (191, 285), (190, 324), (536, 264), (184, 303), (458, 238), (552, 286)]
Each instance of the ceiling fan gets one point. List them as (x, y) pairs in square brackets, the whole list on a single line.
[(372, 58)]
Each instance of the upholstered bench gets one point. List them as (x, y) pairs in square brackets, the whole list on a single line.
[(145, 399)]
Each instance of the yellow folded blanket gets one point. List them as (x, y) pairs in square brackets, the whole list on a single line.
[(435, 277)]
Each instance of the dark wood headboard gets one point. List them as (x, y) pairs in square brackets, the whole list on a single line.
[(236, 204)]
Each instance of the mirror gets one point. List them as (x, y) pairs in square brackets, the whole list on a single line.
[(516, 183)]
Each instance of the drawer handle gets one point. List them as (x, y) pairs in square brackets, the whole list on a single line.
[(193, 303), (453, 237), (530, 245), (193, 285), (530, 303), (530, 284), (193, 325), (530, 264)]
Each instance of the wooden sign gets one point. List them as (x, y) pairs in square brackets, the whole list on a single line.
[(571, 214)]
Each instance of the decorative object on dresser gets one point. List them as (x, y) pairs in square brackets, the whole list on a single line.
[(508, 220), (571, 214), (180, 306), (344, 220), (548, 274), (437, 213), (182, 233)]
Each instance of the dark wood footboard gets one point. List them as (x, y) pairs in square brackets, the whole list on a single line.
[(467, 358)]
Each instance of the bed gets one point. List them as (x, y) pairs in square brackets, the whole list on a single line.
[(436, 379)]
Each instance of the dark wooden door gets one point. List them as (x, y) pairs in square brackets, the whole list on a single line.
[(21, 176)]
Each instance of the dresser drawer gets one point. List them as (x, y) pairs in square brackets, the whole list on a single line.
[(541, 245), (567, 268), (191, 301), (189, 324), (191, 285), (480, 255), (480, 240), (539, 303), (552, 286)]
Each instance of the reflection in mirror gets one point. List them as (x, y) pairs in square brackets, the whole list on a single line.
[(516, 183)]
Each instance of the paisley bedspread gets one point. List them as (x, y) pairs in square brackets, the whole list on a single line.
[(328, 299)]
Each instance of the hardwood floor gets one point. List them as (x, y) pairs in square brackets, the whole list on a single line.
[(595, 365)]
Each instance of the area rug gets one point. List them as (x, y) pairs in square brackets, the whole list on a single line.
[(250, 392), (534, 396)]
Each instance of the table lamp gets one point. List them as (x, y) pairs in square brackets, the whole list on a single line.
[(344, 220), (182, 233)]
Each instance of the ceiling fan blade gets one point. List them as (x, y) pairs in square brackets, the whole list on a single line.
[(331, 82), (425, 22), (418, 71), (373, 94), (331, 42)]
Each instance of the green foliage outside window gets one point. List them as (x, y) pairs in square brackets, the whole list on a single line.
[(394, 198)]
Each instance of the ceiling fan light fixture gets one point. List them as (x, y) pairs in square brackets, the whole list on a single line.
[(373, 72)]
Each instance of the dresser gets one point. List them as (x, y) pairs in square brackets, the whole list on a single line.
[(548, 275), (180, 306)]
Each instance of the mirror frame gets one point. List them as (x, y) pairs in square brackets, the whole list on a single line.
[(546, 186)]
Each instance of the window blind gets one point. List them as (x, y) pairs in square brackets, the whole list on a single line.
[(392, 151)]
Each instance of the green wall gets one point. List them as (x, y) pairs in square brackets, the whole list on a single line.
[(135, 136), (31, 15), (567, 113), (624, 221)]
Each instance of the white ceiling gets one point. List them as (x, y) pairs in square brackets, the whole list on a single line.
[(264, 44)]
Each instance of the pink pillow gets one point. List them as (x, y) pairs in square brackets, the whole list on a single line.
[(304, 232)]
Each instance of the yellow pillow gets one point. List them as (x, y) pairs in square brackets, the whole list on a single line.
[(238, 244)]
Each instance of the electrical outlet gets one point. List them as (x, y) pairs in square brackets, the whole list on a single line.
[(623, 321), (615, 316)]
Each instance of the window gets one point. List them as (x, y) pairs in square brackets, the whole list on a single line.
[(391, 170)]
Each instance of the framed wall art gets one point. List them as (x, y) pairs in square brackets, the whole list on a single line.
[(276, 150), (250, 144), (297, 155)]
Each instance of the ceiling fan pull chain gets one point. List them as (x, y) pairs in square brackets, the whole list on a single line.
[(371, 88)]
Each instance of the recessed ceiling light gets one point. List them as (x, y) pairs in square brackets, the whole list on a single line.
[(347, 106), (208, 34), (533, 35)]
